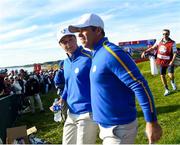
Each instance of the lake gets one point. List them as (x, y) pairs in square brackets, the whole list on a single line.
[(29, 69)]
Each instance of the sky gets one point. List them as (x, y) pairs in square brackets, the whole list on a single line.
[(28, 27)]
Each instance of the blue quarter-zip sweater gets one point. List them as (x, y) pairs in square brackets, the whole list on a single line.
[(115, 81), (77, 83)]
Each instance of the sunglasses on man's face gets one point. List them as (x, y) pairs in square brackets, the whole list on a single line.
[(166, 34)]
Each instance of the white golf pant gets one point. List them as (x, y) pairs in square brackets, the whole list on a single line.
[(38, 100), (119, 134), (79, 129)]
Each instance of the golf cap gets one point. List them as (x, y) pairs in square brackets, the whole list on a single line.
[(63, 32), (87, 20)]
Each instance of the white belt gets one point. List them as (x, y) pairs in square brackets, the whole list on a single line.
[(163, 57)]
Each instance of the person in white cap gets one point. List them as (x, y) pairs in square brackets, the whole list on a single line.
[(115, 81), (79, 128)]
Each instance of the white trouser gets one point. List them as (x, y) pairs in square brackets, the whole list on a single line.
[(119, 134), (79, 129), (38, 100)]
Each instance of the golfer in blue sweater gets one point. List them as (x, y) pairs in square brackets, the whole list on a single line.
[(115, 81), (79, 128)]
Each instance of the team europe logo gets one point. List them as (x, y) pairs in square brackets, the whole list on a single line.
[(76, 70), (94, 68), (162, 49), (63, 31)]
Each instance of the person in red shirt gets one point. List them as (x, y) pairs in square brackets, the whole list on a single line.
[(166, 53)]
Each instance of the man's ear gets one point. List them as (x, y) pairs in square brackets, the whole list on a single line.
[(99, 31)]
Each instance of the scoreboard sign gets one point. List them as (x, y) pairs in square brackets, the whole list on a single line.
[(135, 48)]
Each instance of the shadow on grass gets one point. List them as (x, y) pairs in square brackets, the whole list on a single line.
[(163, 109), (35, 119), (173, 92)]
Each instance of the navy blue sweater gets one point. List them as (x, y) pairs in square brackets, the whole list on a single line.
[(115, 81)]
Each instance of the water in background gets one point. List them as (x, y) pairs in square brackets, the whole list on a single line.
[(29, 69)]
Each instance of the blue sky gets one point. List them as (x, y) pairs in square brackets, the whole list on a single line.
[(28, 27)]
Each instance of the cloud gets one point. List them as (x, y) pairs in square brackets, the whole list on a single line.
[(7, 8), (41, 41), (18, 32), (29, 28)]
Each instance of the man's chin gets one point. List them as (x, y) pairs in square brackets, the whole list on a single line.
[(85, 45)]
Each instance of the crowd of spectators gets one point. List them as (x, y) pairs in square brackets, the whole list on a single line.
[(26, 85)]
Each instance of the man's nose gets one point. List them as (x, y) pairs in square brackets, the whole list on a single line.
[(68, 44)]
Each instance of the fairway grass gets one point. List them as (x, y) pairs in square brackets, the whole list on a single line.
[(168, 110)]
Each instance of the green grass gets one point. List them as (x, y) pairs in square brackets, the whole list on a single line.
[(168, 110), (48, 130), (178, 45)]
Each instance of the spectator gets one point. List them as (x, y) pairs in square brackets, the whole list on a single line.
[(7, 87), (32, 90), (16, 86), (47, 82), (166, 54)]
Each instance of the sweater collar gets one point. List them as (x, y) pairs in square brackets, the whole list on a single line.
[(99, 44), (75, 53)]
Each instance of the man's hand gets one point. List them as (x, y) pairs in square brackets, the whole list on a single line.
[(51, 108), (153, 132), (60, 102), (143, 54), (171, 63)]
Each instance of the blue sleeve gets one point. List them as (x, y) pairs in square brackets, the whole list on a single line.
[(64, 94), (126, 70), (59, 77)]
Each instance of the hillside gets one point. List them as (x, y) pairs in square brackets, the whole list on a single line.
[(44, 64)]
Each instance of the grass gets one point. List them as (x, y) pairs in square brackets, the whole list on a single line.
[(168, 110), (178, 45), (48, 130)]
